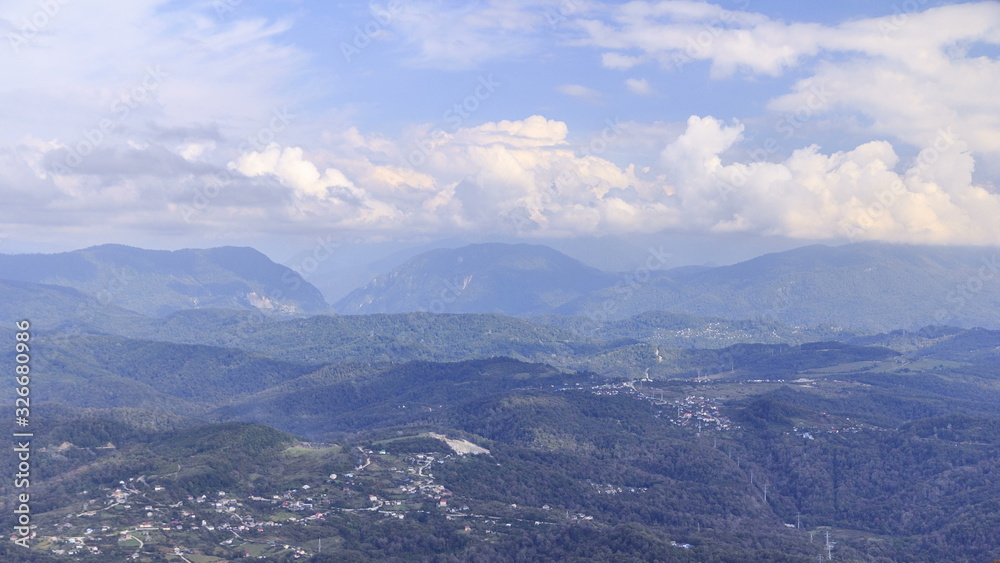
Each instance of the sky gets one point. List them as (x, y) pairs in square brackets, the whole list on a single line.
[(194, 123)]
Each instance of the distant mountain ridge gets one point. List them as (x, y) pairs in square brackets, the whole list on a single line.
[(868, 287), (159, 282), (512, 279), (865, 286)]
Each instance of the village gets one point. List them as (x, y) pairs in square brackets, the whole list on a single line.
[(141, 516), (144, 518)]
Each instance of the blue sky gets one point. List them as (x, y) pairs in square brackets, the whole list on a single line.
[(194, 123)]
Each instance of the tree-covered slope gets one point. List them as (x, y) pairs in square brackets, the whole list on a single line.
[(157, 282), (509, 279)]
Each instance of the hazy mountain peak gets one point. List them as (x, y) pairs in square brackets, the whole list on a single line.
[(157, 282), (504, 278)]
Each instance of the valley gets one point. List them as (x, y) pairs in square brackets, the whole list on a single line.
[(229, 434)]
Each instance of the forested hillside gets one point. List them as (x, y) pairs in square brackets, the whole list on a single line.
[(241, 433)]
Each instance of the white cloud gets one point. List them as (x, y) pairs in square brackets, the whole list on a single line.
[(618, 61), (677, 33), (911, 106), (524, 176), (916, 81), (463, 36), (909, 74), (856, 194), (123, 107), (534, 131), (290, 167), (520, 177), (581, 92), (639, 86), (77, 71), (327, 193), (193, 150)]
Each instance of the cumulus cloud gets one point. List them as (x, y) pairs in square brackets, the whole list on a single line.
[(290, 167), (328, 192), (530, 178), (915, 65), (514, 176), (857, 194), (911, 106), (525, 177)]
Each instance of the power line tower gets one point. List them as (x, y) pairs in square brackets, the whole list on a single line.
[(829, 547)]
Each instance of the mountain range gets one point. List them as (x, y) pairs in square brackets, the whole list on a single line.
[(863, 287), (507, 403), (860, 286), (117, 279)]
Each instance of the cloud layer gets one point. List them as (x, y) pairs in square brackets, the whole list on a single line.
[(191, 122), (524, 177)]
